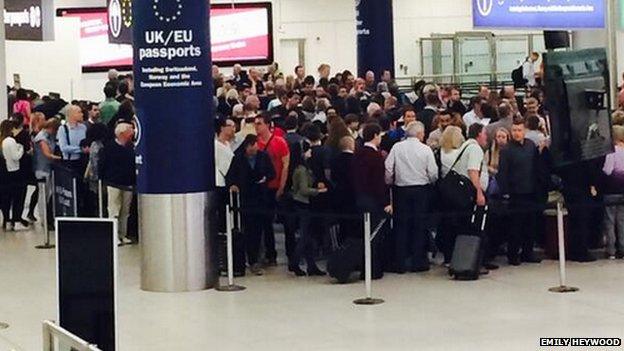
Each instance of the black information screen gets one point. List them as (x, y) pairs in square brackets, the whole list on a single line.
[(86, 280)]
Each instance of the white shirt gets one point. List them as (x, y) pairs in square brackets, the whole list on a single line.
[(223, 160), (372, 146), (473, 159), (471, 118), (411, 163), (528, 73), (12, 153)]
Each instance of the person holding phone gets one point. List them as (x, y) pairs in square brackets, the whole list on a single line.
[(249, 175), (303, 190)]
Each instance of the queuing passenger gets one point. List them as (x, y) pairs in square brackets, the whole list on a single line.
[(118, 172), (13, 184), (506, 118), (44, 156), (110, 106), (443, 120), (23, 106), (519, 185), (451, 141), (411, 169), (70, 135), (277, 149), (303, 188), (27, 174), (476, 114), (614, 190), (455, 104), (250, 172), (371, 191), (342, 180), (225, 131)]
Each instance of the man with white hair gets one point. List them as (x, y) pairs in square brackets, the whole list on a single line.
[(373, 108), (70, 136), (411, 169), (118, 172), (113, 74)]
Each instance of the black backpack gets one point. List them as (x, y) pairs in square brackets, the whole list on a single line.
[(517, 76)]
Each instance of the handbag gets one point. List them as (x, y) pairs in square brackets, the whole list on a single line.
[(456, 190)]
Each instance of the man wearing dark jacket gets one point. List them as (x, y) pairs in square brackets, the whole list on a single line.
[(372, 194), (118, 172), (517, 177), (250, 172), (342, 180)]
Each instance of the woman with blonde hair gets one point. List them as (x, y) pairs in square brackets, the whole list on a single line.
[(450, 143), (492, 157)]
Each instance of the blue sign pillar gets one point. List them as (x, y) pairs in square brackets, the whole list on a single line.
[(375, 36), (175, 146)]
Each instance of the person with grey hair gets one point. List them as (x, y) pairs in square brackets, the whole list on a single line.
[(118, 172), (411, 169), (113, 74)]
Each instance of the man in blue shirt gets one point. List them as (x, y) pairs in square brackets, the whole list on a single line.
[(71, 135)]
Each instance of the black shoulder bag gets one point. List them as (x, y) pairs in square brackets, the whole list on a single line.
[(456, 190)]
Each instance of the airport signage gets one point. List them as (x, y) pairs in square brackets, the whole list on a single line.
[(31, 20), (173, 91), (539, 14)]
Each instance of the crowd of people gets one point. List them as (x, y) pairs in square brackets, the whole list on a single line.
[(92, 142), (314, 153)]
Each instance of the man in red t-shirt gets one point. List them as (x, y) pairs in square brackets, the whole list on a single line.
[(277, 149)]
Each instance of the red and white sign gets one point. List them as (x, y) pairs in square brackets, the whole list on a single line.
[(238, 34)]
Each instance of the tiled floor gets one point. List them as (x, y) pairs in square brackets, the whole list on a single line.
[(508, 310)]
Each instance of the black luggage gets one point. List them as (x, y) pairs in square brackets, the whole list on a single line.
[(466, 260), (346, 260)]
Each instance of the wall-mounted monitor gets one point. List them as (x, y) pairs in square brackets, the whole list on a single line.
[(540, 14), (240, 33), (96, 53)]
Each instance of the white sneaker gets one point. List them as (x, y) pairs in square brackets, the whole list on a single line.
[(124, 241)]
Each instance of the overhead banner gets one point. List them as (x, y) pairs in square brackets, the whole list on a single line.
[(540, 14), (375, 36), (173, 96), (31, 20)]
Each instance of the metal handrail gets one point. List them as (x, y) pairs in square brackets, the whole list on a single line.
[(52, 332)]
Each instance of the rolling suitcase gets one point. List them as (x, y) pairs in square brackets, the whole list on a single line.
[(466, 260), (346, 260)]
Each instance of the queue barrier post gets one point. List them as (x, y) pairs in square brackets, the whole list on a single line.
[(100, 199), (562, 288), (368, 265), (229, 221), (44, 206)]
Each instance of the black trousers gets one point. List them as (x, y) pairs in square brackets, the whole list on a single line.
[(252, 228), (266, 224), (13, 198), (522, 220), (411, 239)]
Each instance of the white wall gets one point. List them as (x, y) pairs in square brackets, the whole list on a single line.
[(52, 66), (328, 27)]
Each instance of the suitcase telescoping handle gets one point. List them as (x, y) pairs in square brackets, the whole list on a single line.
[(483, 220)]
